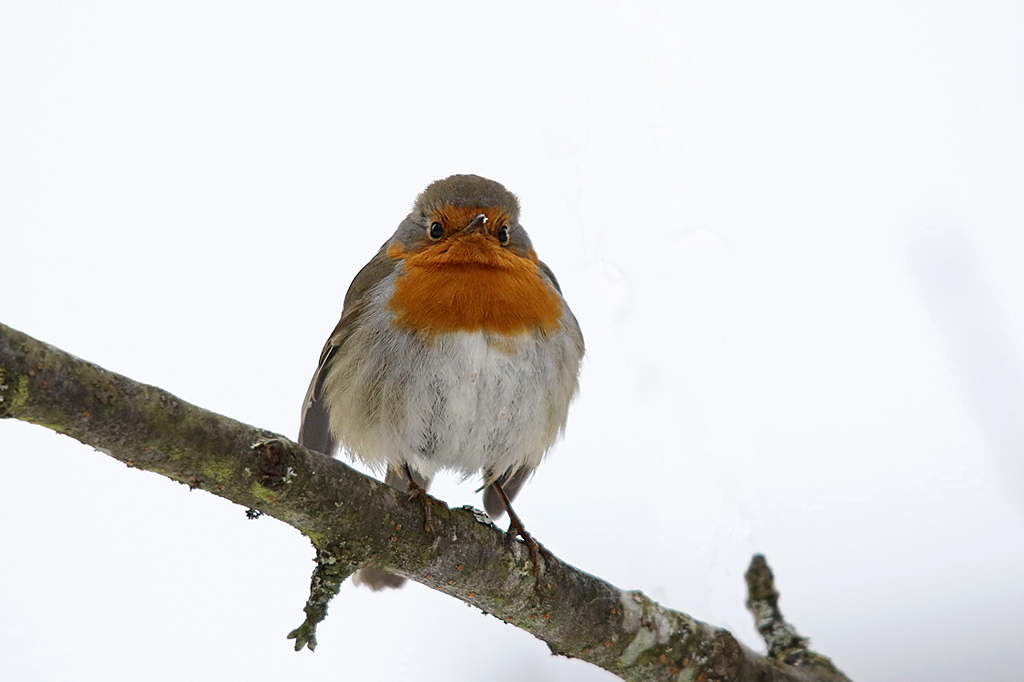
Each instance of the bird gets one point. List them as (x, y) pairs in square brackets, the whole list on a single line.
[(455, 351)]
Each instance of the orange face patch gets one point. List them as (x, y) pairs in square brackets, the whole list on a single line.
[(471, 283), (454, 218)]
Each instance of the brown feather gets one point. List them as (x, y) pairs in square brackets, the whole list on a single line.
[(315, 427)]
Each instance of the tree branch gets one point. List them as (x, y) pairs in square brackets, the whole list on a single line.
[(354, 520)]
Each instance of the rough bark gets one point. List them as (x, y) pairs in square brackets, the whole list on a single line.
[(354, 520)]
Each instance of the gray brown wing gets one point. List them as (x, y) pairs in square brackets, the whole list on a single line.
[(574, 326), (550, 275), (315, 428)]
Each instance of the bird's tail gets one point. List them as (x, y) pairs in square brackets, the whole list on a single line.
[(373, 577)]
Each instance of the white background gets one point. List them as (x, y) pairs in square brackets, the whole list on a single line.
[(791, 232)]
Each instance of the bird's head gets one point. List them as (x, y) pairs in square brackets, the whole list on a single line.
[(467, 263), (465, 218)]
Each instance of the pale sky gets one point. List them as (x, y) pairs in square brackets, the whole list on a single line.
[(791, 232)]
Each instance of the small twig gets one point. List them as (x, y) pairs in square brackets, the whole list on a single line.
[(784, 644), (332, 568)]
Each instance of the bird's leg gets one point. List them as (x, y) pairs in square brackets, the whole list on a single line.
[(416, 491), (516, 527)]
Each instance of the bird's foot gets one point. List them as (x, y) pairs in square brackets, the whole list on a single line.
[(418, 492), (538, 553)]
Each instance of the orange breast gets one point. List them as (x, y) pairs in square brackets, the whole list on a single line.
[(470, 283)]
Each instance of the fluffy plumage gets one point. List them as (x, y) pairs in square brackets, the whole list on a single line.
[(452, 353)]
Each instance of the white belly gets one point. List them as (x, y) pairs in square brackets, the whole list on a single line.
[(462, 402)]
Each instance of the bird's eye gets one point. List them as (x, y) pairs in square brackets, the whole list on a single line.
[(503, 235), (436, 230)]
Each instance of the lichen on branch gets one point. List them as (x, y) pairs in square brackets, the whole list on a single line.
[(354, 520)]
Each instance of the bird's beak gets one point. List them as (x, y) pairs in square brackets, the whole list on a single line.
[(477, 224)]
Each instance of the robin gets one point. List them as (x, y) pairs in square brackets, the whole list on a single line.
[(455, 351)]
